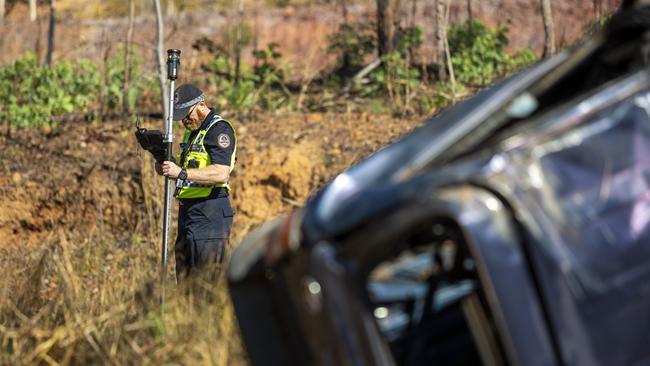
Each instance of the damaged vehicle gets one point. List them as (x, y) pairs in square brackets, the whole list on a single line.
[(511, 229)]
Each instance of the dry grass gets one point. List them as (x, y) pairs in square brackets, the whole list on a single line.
[(96, 302), (81, 299)]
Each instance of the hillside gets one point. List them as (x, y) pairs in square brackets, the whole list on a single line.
[(81, 234), (305, 50), (77, 176), (80, 222)]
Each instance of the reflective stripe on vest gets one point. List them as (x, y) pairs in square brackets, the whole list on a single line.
[(196, 151)]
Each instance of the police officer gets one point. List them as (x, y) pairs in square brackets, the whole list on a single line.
[(206, 159)]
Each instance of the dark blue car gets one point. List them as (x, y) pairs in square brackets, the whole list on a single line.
[(512, 229)]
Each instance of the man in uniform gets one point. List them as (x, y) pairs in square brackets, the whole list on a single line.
[(206, 159)]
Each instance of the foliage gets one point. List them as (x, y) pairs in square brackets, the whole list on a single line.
[(245, 88), (34, 95), (597, 24), (113, 84), (397, 78), (351, 44), (269, 77), (478, 53), (266, 65), (522, 58), (31, 95), (411, 39)]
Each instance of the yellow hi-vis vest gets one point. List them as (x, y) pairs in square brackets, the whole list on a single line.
[(196, 151)]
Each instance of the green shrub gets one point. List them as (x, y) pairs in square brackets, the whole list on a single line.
[(235, 83), (32, 95), (394, 77), (397, 78), (269, 76), (111, 89), (478, 53), (411, 39), (351, 44), (522, 58), (260, 86)]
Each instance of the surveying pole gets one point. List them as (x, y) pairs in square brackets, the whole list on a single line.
[(173, 64)]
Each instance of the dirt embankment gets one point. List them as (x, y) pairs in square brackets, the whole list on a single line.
[(92, 180), (300, 31), (80, 235)]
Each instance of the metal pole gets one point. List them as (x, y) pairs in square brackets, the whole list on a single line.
[(173, 64)]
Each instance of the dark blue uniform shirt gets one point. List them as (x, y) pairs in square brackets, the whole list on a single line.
[(219, 141), (204, 223)]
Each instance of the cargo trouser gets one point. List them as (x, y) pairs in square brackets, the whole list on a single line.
[(203, 235)]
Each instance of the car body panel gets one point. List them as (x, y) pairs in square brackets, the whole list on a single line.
[(544, 179), (583, 196)]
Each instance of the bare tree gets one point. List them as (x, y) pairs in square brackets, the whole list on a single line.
[(386, 21), (238, 39), (127, 58), (598, 6), (344, 11), (161, 56), (470, 10), (441, 37), (50, 33), (170, 7), (450, 67), (549, 29), (32, 10), (2, 9)]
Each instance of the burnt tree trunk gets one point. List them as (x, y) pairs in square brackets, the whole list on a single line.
[(127, 58), (441, 37), (160, 56), (50, 34), (549, 29), (386, 21)]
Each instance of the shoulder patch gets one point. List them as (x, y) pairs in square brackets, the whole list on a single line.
[(223, 140)]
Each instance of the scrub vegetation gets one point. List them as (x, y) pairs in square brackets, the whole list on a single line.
[(37, 95), (80, 216)]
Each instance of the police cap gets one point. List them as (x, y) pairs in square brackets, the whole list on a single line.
[(186, 96)]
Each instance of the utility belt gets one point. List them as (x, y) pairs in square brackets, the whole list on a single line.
[(187, 183), (217, 192), (199, 190)]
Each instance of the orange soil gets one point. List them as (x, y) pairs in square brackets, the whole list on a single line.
[(93, 179)]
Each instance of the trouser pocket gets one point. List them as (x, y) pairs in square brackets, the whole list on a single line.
[(201, 257), (210, 251), (216, 221)]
